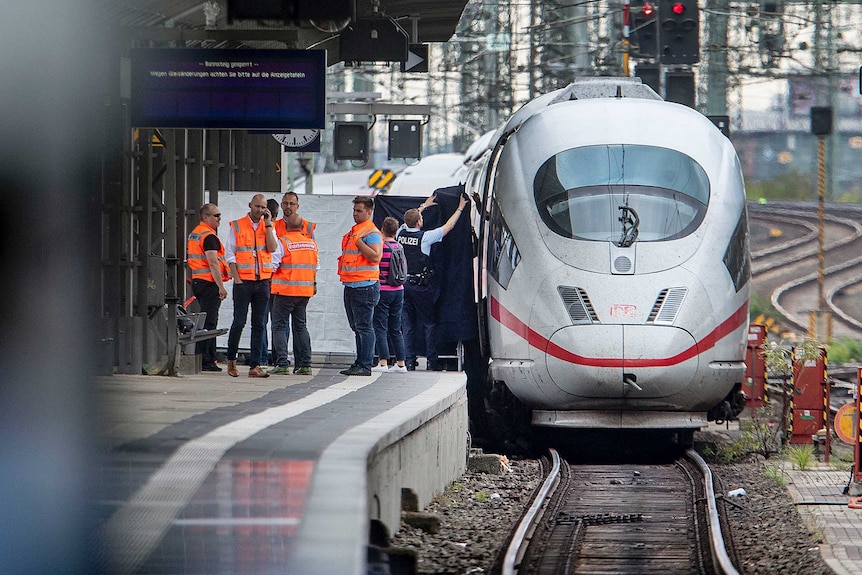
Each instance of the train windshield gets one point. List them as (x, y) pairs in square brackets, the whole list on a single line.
[(621, 192)]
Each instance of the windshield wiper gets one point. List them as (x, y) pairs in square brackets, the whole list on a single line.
[(629, 219)]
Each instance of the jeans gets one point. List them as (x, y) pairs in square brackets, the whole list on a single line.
[(387, 325), (291, 309), (419, 321), (207, 295), (256, 294), (264, 343), (359, 305)]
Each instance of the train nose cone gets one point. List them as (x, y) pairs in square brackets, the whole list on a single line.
[(657, 361)]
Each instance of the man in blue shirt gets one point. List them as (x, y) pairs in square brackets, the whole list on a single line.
[(359, 270)]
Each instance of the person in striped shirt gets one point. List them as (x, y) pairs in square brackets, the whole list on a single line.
[(387, 312)]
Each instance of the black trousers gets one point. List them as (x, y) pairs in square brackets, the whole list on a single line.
[(418, 323), (207, 295)]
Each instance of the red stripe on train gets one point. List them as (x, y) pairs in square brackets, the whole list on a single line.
[(508, 319)]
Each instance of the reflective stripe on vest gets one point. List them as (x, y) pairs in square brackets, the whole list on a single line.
[(196, 255), (297, 271), (352, 265), (245, 239)]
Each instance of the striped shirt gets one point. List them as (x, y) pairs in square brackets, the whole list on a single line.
[(384, 269)]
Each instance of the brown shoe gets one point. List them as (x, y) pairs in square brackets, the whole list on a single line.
[(257, 372), (231, 368)]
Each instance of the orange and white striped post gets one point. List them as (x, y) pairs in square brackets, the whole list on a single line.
[(857, 434)]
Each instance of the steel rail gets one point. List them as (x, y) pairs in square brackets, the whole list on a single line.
[(830, 301), (786, 245), (855, 233), (520, 540), (518, 545), (722, 561), (809, 278)]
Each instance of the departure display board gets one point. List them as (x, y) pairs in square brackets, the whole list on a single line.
[(228, 89)]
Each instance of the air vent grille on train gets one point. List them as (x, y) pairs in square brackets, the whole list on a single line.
[(667, 306), (578, 305)]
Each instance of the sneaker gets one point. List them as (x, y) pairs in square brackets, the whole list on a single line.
[(380, 368), (398, 369), (355, 370), (211, 368), (303, 371), (281, 370)]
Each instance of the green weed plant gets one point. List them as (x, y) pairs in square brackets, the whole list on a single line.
[(801, 456)]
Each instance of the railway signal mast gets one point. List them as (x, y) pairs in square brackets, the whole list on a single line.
[(667, 35), (668, 30), (679, 32)]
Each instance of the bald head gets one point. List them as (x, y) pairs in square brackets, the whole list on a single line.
[(293, 222), (257, 207)]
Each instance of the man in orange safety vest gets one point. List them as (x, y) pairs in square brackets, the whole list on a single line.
[(206, 260), (293, 284), (250, 244), (358, 267)]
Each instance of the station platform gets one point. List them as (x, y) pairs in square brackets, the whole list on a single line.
[(206, 474), (818, 492)]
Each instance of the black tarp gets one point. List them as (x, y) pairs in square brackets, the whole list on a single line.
[(456, 312), (452, 259)]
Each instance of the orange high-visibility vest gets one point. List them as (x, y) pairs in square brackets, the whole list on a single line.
[(298, 270), (307, 228), (352, 265), (196, 256), (251, 250)]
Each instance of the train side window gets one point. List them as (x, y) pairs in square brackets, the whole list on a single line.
[(579, 192), (737, 258), (503, 254)]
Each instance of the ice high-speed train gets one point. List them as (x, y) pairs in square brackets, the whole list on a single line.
[(614, 263)]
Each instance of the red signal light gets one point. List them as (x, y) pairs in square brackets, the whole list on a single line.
[(678, 9), (648, 9)]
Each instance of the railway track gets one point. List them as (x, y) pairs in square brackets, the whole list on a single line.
[(621, 518), (787, 270)]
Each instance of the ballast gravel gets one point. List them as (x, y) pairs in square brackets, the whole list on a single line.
[(478, 511)]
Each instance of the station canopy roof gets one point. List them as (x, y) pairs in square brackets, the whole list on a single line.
[(436, 22)]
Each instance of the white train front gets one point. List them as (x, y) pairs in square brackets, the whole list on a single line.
[(615, 268)]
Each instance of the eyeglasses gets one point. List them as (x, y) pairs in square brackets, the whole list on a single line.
[(216, 215)]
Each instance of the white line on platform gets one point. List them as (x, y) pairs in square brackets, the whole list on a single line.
[(135, 529)]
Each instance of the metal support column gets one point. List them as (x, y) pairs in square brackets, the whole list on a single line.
[(174, 142)]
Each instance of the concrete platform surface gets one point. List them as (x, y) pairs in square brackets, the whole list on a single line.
[(211, 474), (818, 493)]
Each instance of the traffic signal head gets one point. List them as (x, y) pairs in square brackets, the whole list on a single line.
[(821, 120), (644, 31), (679, 31)]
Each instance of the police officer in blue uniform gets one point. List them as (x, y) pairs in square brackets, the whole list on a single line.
[(422, 289)]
